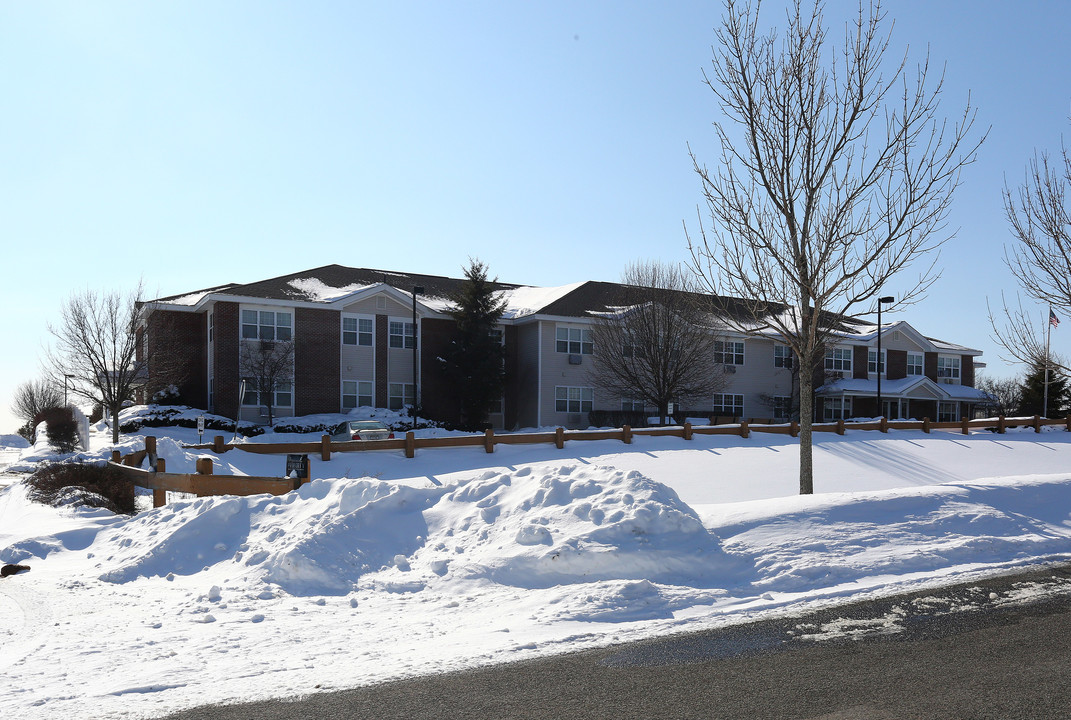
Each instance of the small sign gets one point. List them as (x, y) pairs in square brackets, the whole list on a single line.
[(669, 408), (200, 428), (298, 464)]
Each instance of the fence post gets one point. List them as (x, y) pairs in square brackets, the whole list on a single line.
[(966, 425), (410, 444), (925, 425), (794, 429), (687, 430), (150, 445), (884, 424), (626, 432), (1001, 425), (204, 466), (1067, 423), (1037, 423), (325, 447), (559, 438), (116, 457), (489, 440), (159, 497), (840, 426), (744, 432), (217, 443)]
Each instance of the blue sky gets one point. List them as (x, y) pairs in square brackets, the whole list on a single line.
[(198, 143)]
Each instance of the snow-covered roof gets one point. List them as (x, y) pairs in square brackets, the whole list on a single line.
[(913, 386)]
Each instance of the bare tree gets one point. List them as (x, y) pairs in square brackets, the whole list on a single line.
[(1021, 339), (656, 342), (96, 345), (832, 179), (33, 397), (267, 366), (1005, 393)]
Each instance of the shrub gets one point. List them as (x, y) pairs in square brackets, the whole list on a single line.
[(60, 428), (617, 418), (78, 483)]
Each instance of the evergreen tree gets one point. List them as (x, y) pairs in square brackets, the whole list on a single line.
[(1033, 389), (473, 364)]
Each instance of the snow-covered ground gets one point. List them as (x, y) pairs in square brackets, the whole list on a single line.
[(386, 567)]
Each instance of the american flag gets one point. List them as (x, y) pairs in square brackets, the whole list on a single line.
[(1053, 320)]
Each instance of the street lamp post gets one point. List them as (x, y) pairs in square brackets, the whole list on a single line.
[(416, 356), (878, 365)]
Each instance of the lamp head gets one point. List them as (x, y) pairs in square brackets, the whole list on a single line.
[(886, 299)]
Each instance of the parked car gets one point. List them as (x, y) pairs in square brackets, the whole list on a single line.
[(362, 430)]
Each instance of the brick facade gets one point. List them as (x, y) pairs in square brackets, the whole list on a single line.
[(382, 340), (317, 362), (895, 364), (437, 398), (227, 378)]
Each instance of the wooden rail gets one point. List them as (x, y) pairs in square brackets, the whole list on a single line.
[(410, 444)]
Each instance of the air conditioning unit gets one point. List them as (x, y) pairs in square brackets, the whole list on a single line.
[(576, 359), (730, 368)]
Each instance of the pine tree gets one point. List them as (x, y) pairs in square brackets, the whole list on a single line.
[(473, 364), (1033, 388)]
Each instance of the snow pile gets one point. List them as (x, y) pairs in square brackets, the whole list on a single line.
[(318, 291), (14, 441)]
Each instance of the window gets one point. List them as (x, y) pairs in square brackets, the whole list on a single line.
[(782, 356), (498, 334), (839, 359), (914, 364), (726, 404), (729, 352), (357, 331), (574, 399), (356, 393), (575, 341), (495, 407), (211, 327), (782, 407), (400, 394), (283, 396), (947, 412), (834, 409), (266, 325), (872, 362), (402, 334), (633, 405), (947, 369)]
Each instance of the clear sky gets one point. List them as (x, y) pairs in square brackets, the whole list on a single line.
[(198, 143)]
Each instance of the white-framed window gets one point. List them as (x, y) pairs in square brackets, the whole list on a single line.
[(633, 405), (254, 397), (728, 404), (495, 408), (356, 393), (401, 334), (782, 407), (498, 334), (729, 352), (915, 364), (266, 325), (357, 331), (839, 359), (782, 356), (947, 412), (948, 369), (837, 409), (400, 394), (211, 326), (573, 340), (574, 399), (872, 362)]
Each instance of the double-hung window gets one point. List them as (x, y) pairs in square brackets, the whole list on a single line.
[(573, 340), (782, 356), (837, 409), (728, 404), (947, 412), (357, 331), (266, 325), (915, 364), (356, 393), (839, 359), (632, 405), (729, 352), (948, 369), (402, 334), (574, 399), (782, 407), (281, 396), (872, 365), (400, 394)]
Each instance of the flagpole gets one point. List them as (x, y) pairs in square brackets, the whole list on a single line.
[(1045, 393)]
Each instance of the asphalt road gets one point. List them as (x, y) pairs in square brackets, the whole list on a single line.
[(912, 656)]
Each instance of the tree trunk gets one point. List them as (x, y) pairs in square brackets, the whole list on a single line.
[(806, 416), (114, 410)]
